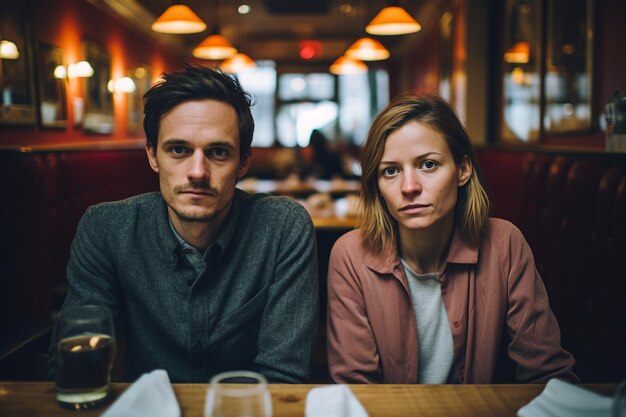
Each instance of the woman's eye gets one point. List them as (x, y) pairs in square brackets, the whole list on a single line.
[(429, 165), (390, 171)]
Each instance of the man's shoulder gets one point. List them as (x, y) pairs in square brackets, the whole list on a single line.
[(267, 205), (125, 209)]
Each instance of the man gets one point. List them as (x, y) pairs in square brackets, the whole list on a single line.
[(204, 277)]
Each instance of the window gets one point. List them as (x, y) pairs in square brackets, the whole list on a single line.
[(290, 105), (261, 83)]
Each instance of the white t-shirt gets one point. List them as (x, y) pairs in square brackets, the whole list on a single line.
[(436, 351)]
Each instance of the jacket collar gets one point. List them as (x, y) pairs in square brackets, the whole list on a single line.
[(388, 260)]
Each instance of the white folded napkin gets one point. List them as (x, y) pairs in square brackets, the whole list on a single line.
[(562, 399), (151, 395), (333, 401)]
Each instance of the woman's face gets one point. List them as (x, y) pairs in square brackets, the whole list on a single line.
[(418, 178)]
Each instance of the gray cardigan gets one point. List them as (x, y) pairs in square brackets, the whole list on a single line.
[(254, 306)]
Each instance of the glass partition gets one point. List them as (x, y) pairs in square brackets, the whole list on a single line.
[(547, 69)]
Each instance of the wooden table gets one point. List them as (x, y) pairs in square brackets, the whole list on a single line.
[(334, 223), (37, 399)]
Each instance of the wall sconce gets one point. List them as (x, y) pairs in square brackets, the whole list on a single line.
[(121, 85), (80, 69), (8, 50)]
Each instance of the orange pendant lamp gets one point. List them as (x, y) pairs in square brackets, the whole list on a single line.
[(214, 47), (347, 66), (367, 49), (518, 53), (178, 19), (393, 20), (238, 63)]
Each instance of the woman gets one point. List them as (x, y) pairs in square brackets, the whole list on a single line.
[(429, 289)]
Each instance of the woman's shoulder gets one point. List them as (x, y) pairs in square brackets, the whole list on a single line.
[(352, 245), (496, 227), (502, 235), (350, 240)]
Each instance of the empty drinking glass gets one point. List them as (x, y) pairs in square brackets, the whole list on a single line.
[(238, 394), (619, 401)]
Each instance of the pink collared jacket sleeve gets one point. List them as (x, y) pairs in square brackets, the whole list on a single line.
[(352, 352), (535, 338)]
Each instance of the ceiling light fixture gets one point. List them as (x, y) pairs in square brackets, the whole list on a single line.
[(347, 66), (518, 53), (214, 47), (178, 19), (238, 63), (367, 49), (393, 20)]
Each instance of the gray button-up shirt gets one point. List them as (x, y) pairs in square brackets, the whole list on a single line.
[(253, 305)]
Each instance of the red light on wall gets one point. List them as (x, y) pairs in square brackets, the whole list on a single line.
[(310, 49)]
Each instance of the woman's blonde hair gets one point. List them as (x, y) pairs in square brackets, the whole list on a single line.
[(472, 206)]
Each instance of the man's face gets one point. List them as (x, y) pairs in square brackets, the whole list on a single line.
[(197, 159)]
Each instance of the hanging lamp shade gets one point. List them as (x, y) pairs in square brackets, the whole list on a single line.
[(214, 47), (238, 63), (367, 49), (393, 20), (518, 53), (178, 18), (347, 66)]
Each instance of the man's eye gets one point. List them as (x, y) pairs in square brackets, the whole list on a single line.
[(178, 150), (219, 153)]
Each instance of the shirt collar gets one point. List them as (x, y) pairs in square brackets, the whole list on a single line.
[(225, 236), (171, 242)]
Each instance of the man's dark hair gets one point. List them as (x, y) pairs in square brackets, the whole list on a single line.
[(197, 83)]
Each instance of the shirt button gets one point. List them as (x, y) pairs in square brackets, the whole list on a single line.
[(187, 251), (456, 323)]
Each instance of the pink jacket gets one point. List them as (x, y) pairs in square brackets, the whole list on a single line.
[(493, 295)]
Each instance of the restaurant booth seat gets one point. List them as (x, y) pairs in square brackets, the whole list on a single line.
[(570, 207), (572, 211), (44, 196)]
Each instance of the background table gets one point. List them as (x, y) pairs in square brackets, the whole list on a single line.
[(37, 399)]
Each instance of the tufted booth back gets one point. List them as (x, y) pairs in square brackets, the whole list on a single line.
[(44, 196), (572, 210)]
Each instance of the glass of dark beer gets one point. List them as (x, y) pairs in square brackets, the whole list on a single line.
[(85, 353)]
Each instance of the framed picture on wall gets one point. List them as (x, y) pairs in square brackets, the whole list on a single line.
[(51, 90), (98, 99), (17, 95)]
